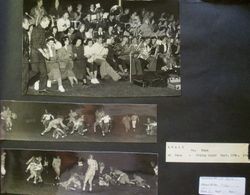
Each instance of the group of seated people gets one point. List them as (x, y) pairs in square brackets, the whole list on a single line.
[(93, 46)]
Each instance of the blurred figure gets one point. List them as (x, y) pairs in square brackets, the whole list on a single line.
[(135, 120), (38, 12), (3, 170), (126, 120), (46, 118), (55, 124), (90, 174), (56, 164)]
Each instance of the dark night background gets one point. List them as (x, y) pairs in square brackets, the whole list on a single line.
[(170, 6), (214, 106)]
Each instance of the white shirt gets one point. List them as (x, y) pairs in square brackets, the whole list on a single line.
[(106, 119), (48, 117), (89, 51), (92, 166), (99, 51), (62, 24)]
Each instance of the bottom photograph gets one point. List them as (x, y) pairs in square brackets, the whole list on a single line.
[(70, 172)]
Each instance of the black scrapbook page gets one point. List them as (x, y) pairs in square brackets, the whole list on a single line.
[(158, 106)]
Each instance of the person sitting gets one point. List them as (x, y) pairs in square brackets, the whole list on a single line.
[(89, 33), (146, 29), (100, 53), (125, 16), (163, 62), (69, 9), (116, 63), (79, 12), (145, 54), (92, 67), (63, 23), (99, 32), (80, 33), (110, 32)]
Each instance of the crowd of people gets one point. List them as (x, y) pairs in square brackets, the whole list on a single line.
[(88, 47), (84, 174)]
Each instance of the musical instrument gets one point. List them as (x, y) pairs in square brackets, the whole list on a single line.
[(116, 10)]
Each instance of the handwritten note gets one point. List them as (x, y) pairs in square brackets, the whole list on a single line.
[(206, 152), (222, 185)]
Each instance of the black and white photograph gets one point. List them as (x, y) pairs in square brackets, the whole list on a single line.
[(74, 173), (37, 121), (90, 48)]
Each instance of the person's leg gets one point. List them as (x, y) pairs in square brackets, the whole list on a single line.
[(33, 74), (152, 63), (60, 86), (108, 70), (25, 75), (91, 183), (43, 74), (85, 182), (71, 81), (48, 129)]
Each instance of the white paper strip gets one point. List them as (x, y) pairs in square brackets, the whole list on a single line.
[(206, 152), (222, 185)]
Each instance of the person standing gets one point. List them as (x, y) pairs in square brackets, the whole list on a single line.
[(100, 55), (106, 124), (79, 60), (38, 12), (26, 56), (135, 120), (3, 170), (56, 164), (38, 66), (52, 65), (65, 57), (91, 171), (126, 120)]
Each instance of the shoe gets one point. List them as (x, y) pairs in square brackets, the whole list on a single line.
[(49, 83), (43, 91), (61, 89), (96, 81), (36, 85), (93, 81), (76, 81)]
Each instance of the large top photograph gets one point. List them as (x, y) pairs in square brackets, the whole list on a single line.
[(90, 48)]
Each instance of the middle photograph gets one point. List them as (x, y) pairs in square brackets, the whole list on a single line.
[(39, 121)]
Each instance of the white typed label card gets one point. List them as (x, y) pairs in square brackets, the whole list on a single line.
[(222, 185), (188, 152)]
